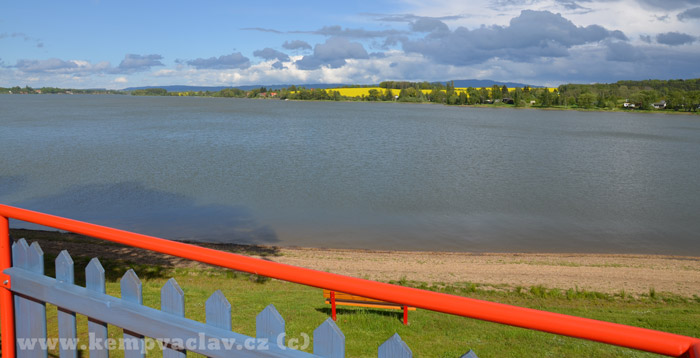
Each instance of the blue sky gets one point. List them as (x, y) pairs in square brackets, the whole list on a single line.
[(118, 44)]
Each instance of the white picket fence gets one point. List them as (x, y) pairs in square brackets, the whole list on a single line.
[(32, 290)]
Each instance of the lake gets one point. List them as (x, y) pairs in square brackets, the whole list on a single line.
[(356, 174)]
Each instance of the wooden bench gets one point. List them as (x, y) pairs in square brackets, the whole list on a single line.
[(339, 298)]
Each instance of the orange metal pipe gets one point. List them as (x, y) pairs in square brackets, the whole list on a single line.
[(611, 333), (7, 311)]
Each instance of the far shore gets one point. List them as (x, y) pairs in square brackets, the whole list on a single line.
[(614, 274)]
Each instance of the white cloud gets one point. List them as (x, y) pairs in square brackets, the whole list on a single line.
[(166, 73), (575, 41)]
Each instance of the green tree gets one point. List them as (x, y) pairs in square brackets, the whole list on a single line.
[(438, 96), (388, 95), (518, 97), (410, 94), (496, 93), (463, 98), (675, 100), (545, 98), (474, 96), (586, 100), (373, 95), (484, 94)]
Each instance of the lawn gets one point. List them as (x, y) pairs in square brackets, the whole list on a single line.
[(429, 334)]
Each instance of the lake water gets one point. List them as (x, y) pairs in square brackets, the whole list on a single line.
[(357, 175)]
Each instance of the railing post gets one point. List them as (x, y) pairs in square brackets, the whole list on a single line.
[(7, 310), (333, 305), (693, 351)]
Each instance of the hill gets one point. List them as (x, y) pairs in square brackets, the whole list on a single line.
[(488, 83), (182, 88)]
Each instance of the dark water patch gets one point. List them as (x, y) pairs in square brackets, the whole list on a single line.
[(11, 183), (133, 207), (688, 128), (628, 135)]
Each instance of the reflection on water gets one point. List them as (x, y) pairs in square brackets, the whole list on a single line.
[(154, 212), (362, 175)]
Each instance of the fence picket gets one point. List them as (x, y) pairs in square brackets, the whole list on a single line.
[(143, 319), (394, 347), (19, 258), (30, 319), (469, 354), (269, 325), (329, 340), (218, 311), (67, 329), (97, 330), (172, 300), (131, 292)]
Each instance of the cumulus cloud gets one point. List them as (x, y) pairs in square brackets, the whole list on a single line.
[(412, 17), (690, 14), (138, 63), (502, 3), (271, 54), (50, 65), (333, 53), (296, 45), (261, 29), (58, 66), (533, 34), (623, 52), (674, 38), (571, 5), (669, 4), (425, 24), (233, 61), (337, 31)]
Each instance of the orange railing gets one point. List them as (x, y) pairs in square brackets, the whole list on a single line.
[(611, 333)]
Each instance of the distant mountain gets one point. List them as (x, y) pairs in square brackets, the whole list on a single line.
[(183, 88), (306, 85), (180, 88), (488, 83)]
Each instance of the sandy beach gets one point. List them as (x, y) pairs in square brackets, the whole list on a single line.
[(612, 274), (635, 274)]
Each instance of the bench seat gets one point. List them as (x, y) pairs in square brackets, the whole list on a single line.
[(345, 299)]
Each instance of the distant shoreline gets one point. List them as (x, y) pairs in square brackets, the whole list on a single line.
[(488, 106)]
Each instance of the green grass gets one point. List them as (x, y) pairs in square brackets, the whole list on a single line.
[(429, 334)]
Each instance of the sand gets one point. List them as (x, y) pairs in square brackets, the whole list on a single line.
[(634, 274)]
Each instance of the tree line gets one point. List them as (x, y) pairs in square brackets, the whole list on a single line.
[(676, 95), (55, 90)]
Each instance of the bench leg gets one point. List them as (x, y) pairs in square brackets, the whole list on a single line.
[(405, 315), (333, 305)]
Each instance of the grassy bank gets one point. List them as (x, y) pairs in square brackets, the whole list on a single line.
[(428, 334)]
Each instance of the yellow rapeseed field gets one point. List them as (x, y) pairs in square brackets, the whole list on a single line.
[(357, 92), (364, 91)]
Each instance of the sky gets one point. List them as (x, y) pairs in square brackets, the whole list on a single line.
[(119, 44)]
